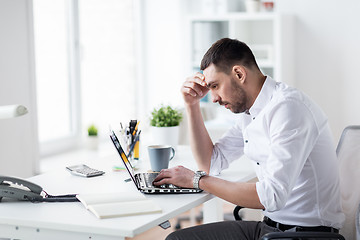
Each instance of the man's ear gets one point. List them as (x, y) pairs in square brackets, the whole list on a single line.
[(239, 72)]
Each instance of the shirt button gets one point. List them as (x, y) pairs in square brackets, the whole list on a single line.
[(253, 118), (258, 163), (246, 141)]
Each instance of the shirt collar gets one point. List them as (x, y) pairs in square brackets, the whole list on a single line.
[(264, 96)]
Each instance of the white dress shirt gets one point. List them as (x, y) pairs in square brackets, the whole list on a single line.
[(288, 138)]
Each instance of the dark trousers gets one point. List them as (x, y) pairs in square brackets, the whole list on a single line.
[(227, 230)]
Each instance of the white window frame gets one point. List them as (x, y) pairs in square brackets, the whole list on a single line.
[(72, 141)]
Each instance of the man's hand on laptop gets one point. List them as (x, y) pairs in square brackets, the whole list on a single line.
[(178, 176)]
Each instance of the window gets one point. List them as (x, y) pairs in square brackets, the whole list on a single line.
[(85, 68), (53, 73), (107, 62)]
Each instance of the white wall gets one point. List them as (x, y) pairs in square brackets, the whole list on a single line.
[(18, 137), (164, 51), (327, 56)]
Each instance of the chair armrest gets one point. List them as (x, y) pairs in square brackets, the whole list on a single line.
[(236, 213), (306, 235)]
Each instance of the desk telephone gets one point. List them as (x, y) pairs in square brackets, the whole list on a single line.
[(22, 190)]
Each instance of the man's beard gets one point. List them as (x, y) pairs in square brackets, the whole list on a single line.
[(240, 98)]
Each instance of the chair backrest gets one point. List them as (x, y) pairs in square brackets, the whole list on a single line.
[(348, 152)]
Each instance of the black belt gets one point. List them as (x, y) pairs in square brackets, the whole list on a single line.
[(284, 227)]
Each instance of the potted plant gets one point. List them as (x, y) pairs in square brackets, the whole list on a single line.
[(93, 140), (164, 123)]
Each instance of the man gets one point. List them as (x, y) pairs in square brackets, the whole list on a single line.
[(280, 129)]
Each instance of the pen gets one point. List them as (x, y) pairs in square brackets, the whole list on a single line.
[(136, 128), (132, 125), (133, 144)]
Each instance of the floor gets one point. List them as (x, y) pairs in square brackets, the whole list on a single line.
[(160, 234)]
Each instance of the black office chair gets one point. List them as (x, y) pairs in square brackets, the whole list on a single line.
[(348, 153)]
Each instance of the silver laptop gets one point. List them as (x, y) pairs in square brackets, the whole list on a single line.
[(144, 181)]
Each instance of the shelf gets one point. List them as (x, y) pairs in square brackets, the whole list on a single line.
[(262, 52), (263, 63), (233, 16)]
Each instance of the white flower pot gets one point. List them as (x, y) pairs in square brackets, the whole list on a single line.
[(165, 135), (92, 142)]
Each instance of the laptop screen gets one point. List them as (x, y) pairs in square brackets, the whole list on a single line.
[(122, 154)]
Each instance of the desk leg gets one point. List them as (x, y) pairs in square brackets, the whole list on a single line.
[(213, 210), (192, 217)]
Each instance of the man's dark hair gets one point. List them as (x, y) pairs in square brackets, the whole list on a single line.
[(226, 53)]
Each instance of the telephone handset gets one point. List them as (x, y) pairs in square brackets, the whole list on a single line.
[(19, 189)]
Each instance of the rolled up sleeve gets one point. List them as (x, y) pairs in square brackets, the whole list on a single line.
[(229, 148)]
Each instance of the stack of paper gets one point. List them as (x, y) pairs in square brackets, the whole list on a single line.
[(108, 205)]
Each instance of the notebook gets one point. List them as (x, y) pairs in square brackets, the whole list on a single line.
[(143, 181), (109, 205)]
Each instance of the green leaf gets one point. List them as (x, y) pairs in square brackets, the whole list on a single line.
[(92, 130), (165, 116)]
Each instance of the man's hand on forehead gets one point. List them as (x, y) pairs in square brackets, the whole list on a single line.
[(194, 88), (201, 76)]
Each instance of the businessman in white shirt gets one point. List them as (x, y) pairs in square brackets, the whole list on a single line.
[(280, 129)]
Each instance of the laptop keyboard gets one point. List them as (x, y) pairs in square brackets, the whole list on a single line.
[(149, 178)]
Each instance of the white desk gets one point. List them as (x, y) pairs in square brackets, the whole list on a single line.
[(24, 220)]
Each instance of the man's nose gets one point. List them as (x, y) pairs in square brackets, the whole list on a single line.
[(214, 97)]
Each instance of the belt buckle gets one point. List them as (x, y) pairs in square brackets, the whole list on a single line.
[(294, 229), (299, 229)]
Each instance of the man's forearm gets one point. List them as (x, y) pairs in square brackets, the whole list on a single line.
[(238, 193), (200, 140)]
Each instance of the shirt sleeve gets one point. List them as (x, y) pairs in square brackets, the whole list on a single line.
[(227, 149), (293, 132)]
